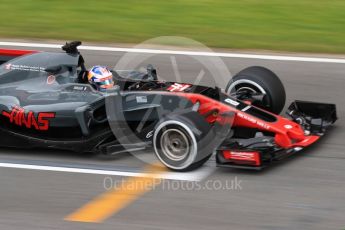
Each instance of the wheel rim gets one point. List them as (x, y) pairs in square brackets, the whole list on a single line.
[(245, 84), (192, 152), (248, 87), (245, 89), (175, 144)]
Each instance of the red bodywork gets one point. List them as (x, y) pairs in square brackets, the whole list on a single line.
[(288, 134), (15, 53)]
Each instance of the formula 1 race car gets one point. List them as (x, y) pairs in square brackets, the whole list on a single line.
[(45, 103)]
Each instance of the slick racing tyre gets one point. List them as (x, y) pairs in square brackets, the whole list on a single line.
[(178, 141), (261, 83)]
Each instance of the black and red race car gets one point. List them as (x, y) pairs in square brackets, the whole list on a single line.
[(46, 103)]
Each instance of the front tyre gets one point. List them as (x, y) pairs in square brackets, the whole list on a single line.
[(176, 143), (260, 84)]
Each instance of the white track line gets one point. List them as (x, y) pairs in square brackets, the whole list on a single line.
[(197, 175), (177, 52)]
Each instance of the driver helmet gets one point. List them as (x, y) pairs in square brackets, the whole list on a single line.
[(101, 78)]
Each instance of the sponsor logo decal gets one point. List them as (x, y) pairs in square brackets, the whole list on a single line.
[(50, 79), (80, 88), (24, 68), (288, 126), (232, 102), (28, 119), (149, 134), (254, 121), (242, 156), (141, 99), (8, 66), (176, 87)]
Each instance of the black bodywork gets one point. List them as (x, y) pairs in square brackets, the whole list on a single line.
[(47, 82)]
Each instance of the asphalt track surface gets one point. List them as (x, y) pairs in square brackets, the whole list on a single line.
[(304, 192)]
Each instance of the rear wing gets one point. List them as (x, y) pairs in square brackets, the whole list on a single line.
[(8, 54)]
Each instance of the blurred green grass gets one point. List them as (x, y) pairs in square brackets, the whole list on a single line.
[(295, 25)]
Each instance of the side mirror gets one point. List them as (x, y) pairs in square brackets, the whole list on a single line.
[(151, 72), (71, 47)]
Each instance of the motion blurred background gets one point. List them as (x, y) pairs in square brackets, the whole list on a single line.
[(295, 25), (304, 192)]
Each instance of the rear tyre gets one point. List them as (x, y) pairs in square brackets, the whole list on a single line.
[(260, 80)]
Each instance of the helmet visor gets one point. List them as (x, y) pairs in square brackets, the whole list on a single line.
[(106, 82)]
